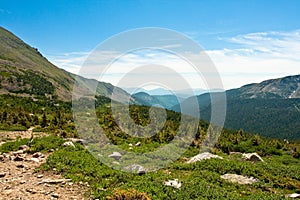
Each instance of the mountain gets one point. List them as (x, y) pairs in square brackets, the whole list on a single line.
[(165, 101), (281, 88), (184, 93), (270, 108), (24, 71)]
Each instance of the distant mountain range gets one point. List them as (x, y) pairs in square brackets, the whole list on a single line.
[(184, 93), (270, 108)]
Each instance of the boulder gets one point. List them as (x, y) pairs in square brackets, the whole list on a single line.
[(173, 183), (235, 178), (115, 155), (203, 156), (135, 168), (253, 157), (77, 140), (295, 196), (70, 144)]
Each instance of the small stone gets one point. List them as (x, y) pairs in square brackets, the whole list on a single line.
[(18, 158), (135, 168), (203, 156), (20, 166), (40, 176), (55, 181), (37, 155), (22, 181), (2, 174), (138, 144), (173, 183), (295, 196), (115, 155), (253, 157), (35, 160), (24, 148), (70, 144), (1, 158), (55, 195), (31, 191), (130, 145), (18, 152)]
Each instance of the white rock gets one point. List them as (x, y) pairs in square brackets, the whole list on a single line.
[(138, 144), (115, 155), (135, 168), (173, 183), (70, 144), (203, 156), (77, 140), (18, 152), (295, 195), (130, 145), (55, 195), (235, 178), (253, 157), (35, 159)]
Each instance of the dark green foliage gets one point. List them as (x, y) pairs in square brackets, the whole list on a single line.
[(12, 146), (40, 144), (19, 113), (37, 84)]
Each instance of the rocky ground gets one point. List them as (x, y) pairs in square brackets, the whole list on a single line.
[(19, 179)]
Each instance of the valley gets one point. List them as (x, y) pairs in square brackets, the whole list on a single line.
[(36, 97)]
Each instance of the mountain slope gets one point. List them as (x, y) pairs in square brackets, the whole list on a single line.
[(270, 108), (166, 101), (25, 72), (281, 88)]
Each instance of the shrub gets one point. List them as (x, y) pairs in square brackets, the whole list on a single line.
[(131, 194)]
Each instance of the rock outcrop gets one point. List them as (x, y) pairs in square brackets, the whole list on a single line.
[(203, 156)]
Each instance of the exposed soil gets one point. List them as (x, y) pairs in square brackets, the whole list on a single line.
[(19, 180)]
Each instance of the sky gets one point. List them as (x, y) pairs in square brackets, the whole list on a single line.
[(247, 41)]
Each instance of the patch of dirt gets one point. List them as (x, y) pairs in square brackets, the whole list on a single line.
[(18, 179)]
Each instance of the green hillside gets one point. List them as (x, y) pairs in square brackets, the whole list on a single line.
[(25, 72), (269, 108)]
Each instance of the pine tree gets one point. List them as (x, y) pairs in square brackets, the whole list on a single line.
[(44, 120)]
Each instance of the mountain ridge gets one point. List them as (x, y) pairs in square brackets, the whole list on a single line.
[(26, 72), (269, 108)]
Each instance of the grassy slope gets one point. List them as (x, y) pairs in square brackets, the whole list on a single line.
[(17, 58), (279, 175)]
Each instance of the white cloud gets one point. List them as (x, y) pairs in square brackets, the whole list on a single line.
[(259, 56)]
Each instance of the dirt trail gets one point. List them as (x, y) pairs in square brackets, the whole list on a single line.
[(18, 179)]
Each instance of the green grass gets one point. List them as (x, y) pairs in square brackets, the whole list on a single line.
[(199, 181), (42, 144), (278, 175)]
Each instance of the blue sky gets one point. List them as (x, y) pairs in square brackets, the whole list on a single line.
[(257, 34)]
